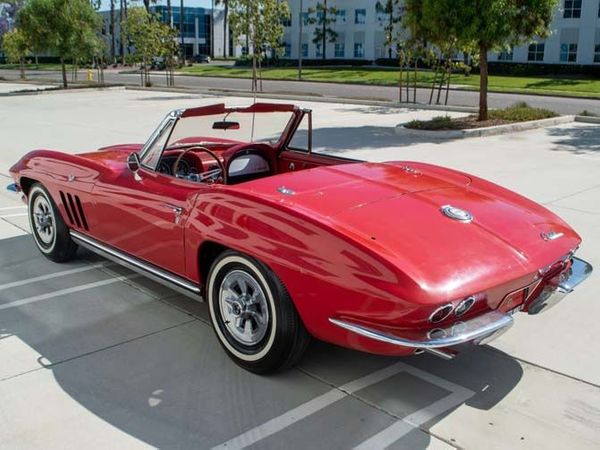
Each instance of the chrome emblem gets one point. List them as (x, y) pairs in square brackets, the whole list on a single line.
[(456, 213), (286, 191), (551, 235)]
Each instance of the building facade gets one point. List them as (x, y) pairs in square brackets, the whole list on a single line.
[(360, 27), (197, 24)]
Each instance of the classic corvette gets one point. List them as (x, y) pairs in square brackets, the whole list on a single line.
[(231, 205)]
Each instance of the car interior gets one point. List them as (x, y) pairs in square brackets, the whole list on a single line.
[(217, 158)]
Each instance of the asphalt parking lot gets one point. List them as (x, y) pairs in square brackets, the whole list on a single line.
[(94, 356)]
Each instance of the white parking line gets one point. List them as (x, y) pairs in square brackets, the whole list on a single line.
[(53, 275), (72, 290), (13, 215), (389, 435)]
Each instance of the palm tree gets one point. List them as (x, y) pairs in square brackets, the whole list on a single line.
[(169, 14), (225, 4)]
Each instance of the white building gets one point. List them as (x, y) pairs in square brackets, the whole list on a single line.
[(575, 37)]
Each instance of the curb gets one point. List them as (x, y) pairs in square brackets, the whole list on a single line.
[(303, 97), (60, 90), (401, 130), (588, 119)]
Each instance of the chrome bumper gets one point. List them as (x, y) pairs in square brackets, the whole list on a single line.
[(568, 280), (479, 330)]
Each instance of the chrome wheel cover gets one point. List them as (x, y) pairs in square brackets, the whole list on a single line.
[(43, 220), (243, 307)]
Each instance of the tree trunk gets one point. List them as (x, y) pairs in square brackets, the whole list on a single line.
[(401, 63), (113, 50), (434, 82), (483, 82), (415, 81), (254, 84), (147, 5), (225, 16), (64, 72), (181, 15), (22, 67)]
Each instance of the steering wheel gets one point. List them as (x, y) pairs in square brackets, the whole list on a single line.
[(208, 174)]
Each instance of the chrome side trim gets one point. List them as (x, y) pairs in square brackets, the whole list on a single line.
[(161, 276), (477, 329), (548, 298)]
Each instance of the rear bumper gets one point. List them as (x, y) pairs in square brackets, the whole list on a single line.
[(553, 293), (481, 329)]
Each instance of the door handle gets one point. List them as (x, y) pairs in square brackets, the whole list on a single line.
[(177, 210)]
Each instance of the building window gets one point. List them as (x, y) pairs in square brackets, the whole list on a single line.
[(319, 50), (305, 50), (572, 9), (359, 50), (341, 16), (597, 53), (536, 52), (340, 50), (505, 55), (287, 52), (568, 52), (360, 16), (287, 22), (305, 18)]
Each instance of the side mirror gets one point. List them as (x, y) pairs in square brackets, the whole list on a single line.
[(133, 162)]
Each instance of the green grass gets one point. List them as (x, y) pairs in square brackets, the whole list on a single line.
[(389, 77), (34, 67)]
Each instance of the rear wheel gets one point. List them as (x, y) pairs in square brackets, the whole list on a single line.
[(253, 315), (49, 231)]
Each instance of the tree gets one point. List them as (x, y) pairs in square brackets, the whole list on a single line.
[(113, 49), (225, 4), (57, 25), (150, 38), (261, 23), (16, 48), (486, 25), (391, 10), (324, 16)]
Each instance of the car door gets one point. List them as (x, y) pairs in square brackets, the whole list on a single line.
[(143, 214)]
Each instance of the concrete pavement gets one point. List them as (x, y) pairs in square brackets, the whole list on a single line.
[(95, 357)]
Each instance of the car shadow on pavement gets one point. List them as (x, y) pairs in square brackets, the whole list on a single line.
[(145, 360), (580, 140)]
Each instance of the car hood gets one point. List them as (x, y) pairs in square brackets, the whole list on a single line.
[(395, 210)]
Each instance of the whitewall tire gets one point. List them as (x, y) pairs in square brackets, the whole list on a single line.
[(253, 315), (50, 233)]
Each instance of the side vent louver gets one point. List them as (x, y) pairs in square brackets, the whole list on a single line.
[(74, 210)]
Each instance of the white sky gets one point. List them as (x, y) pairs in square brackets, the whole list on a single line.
[(203, 3)]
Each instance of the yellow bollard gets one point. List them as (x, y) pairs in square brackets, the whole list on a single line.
[(90, 75)]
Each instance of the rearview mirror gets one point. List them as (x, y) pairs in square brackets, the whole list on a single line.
[(133, 162), (226, 125)]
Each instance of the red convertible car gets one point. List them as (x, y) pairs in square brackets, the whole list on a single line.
[(231, 205)]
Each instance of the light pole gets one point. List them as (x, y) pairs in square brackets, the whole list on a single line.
[(300, 41)]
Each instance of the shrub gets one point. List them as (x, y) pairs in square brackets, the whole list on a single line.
[(521, 112)]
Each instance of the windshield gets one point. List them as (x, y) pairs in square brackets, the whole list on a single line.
[(234, 126)]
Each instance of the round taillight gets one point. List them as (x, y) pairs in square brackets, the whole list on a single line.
[(441, 313), (464, 306)]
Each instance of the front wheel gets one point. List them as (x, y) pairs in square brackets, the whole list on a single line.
[(253, 315), (49, 230)]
